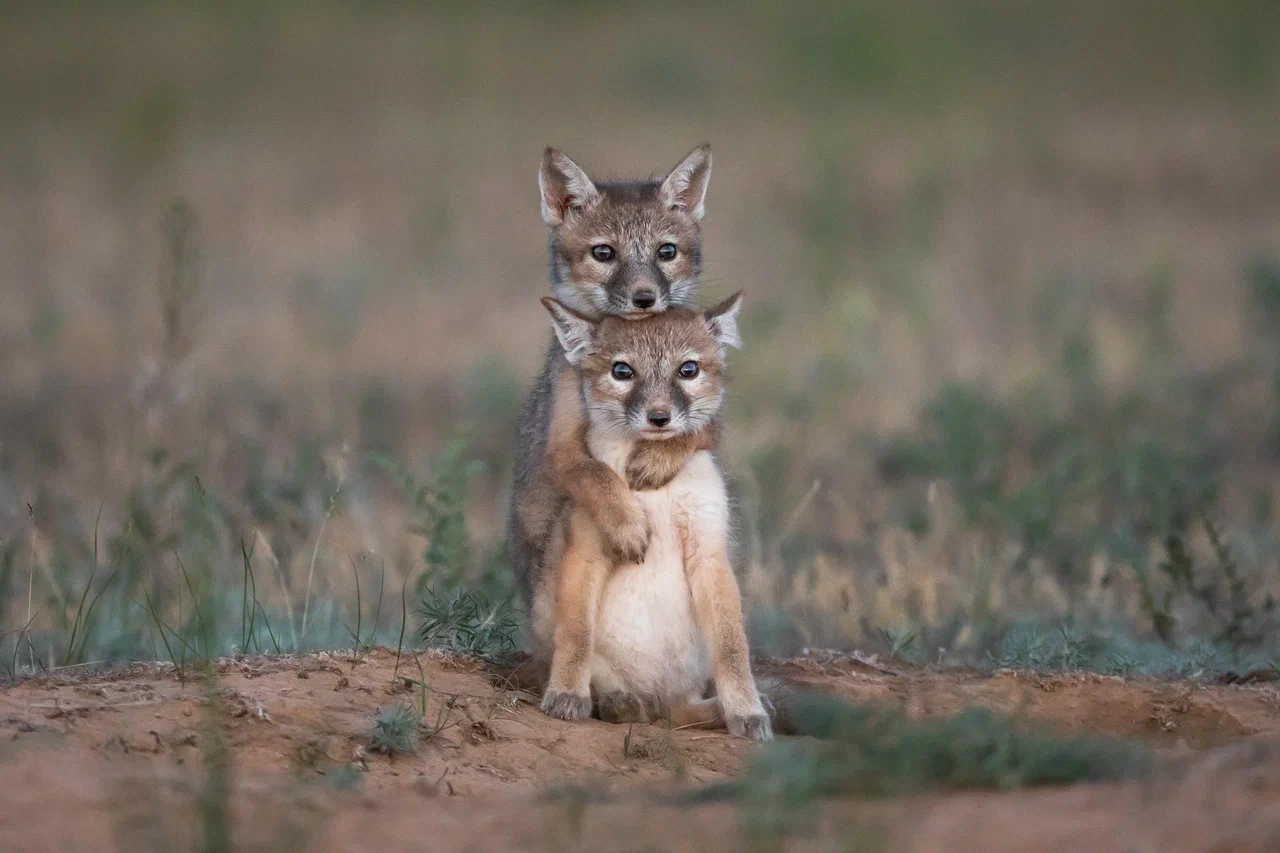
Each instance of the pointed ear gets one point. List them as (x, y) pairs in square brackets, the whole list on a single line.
[(686, 187), (575, 332), (564, 186), (722, 320)]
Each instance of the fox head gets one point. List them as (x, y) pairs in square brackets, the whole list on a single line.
[(629, 249), (654, 378)]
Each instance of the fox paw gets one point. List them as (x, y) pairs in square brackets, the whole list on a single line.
[(650, 471), (629, 541), (751, 726), (566, 706)]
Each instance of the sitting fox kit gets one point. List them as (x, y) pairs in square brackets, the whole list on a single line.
[(624, 249), (651, 635)]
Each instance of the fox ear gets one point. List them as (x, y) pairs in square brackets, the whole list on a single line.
[(722, 320), (575, 332), (564, 187), (685, 188)]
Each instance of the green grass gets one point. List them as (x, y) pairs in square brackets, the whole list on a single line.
[(395, 730), (876, 752), (467, 621), (1037, 647), (866, 751)]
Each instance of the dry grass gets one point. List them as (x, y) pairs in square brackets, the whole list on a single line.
[(361, 270)]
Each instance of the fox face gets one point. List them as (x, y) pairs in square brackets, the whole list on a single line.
[(629, 249), (654, 378)]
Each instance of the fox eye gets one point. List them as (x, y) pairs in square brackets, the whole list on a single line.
[(667, 252), (602, 253), (622, 371), (689, 370)]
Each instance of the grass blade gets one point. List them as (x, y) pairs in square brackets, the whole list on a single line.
[(404, 619), (151, 611)]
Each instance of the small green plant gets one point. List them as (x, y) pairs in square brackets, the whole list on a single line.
[(901, 640), (250, 608), (1216, 587), (358, 640), (467, 621), (875, 752), (395, 730), (880, 752), (80, 628), (439, 506), (1037, 648)]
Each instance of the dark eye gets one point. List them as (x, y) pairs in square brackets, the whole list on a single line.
[(602, 253), (622, 371), (667, 252), (689, 370)]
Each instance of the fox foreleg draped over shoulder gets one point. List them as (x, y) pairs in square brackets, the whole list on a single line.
[(592, 487)]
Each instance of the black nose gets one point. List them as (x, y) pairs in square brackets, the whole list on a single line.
[(660, 417), (644, 299)]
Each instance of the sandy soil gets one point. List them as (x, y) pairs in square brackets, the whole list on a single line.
[(110, 762)]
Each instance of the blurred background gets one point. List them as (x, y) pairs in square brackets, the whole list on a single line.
[(269, 276)]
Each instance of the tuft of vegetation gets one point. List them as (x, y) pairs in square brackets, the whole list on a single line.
[(902, 641), (1032, 647), (467, 621), (395, 730), (1217, 586), (1064, 648), (880, 752)]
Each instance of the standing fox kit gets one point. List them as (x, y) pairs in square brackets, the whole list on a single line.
[(621, 249), (647, 635)]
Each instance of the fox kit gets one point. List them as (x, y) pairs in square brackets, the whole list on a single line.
[(647, 636), (623, 249)]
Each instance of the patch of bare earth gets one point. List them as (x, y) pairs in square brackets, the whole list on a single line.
[(110, 762)]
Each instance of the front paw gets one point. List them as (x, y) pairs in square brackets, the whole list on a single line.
[(566, 706), (629, 540), (752, 726), (645, 474), (654, 464)]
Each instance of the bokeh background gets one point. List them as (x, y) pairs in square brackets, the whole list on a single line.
[(269, 277)]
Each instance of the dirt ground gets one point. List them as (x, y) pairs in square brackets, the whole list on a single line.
[(116, 755)]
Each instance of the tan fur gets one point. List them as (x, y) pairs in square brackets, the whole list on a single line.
[(717, 604), (582, 574), (652, 464), (591, 486), (644, 637)]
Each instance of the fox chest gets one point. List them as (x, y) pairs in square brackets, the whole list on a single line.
[(647, 636)]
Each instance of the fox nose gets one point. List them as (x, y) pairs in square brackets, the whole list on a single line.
[(644, 299), (659, 417)]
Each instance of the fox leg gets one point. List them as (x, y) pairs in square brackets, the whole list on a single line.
[(583, 571), (592, 486), (717, 606)]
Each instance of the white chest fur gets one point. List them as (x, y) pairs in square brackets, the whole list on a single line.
[(647, 639)]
